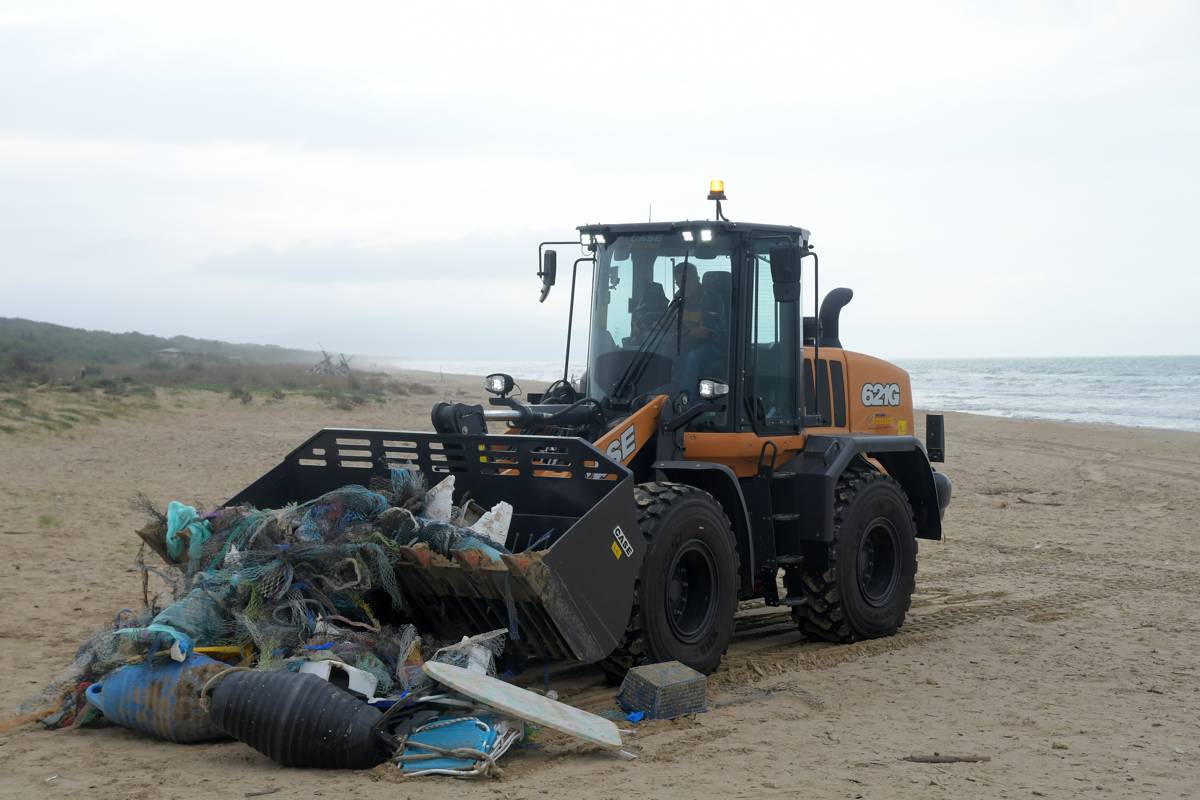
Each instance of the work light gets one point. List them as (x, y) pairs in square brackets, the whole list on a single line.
[(711, 390), (498, 383)]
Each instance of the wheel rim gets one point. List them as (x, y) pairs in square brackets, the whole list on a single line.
[(879, 561), (691, 592)]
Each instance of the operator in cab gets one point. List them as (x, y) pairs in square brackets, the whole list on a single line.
[(702, 321)]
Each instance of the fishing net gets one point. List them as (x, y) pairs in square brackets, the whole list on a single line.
[(124, 640), (309, 580)]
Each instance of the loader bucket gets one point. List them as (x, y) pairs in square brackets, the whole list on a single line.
[(568, 599)]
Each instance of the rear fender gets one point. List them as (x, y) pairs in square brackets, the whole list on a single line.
[(824, 458)]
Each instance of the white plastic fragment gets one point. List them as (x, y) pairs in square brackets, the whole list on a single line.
[(479, 659), (514, 702), (439, 501), (356, 680), (493, 525), (468, 514)]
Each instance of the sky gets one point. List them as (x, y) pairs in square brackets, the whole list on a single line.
[(992, 179)]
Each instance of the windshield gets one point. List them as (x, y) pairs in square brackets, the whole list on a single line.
[(660, 316)]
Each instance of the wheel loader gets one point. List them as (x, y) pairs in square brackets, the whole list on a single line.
[(721, 446)]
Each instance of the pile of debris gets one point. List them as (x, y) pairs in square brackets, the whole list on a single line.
[(275, 633)]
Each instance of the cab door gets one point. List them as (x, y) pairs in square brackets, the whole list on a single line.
[(773, 353)]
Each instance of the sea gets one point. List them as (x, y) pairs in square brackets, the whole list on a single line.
[(1137, 391)]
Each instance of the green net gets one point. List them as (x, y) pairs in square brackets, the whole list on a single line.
[(291, 582)]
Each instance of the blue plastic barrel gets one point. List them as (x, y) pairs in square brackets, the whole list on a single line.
[(161, 698)]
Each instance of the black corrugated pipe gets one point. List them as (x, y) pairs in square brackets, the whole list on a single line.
[(298, 720)]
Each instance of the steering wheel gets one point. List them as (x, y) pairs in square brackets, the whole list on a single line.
[(560, 391)]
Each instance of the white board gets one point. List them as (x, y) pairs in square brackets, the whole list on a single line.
[(529, 706)]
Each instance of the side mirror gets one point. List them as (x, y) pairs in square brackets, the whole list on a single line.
[(785, 272), (549, 273)]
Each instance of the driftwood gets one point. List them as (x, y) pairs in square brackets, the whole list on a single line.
[(155, 536), (1037, 502), (938, 758)]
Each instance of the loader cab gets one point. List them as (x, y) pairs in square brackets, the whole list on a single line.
[(677, 303)]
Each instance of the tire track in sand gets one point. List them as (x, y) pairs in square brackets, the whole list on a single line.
[(742, 664)]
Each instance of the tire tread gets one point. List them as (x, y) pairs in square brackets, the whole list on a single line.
[(653, 500), (822, 615)]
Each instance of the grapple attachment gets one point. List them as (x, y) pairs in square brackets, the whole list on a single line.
[(566, 587)]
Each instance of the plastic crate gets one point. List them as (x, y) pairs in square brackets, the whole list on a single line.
[(664, 691)]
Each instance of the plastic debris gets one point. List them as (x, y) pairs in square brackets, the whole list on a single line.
[(184, 521), (297, 719), (475, 653), (493, 526), (517, 703), (160, 698), (462, 747), (663, 691), (280, 583), (352, 679), (296, 603), (439, 501)]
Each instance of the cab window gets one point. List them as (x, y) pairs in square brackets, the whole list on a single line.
[(774, 350)]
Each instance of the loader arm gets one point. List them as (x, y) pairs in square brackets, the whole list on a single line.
[(627, 438)]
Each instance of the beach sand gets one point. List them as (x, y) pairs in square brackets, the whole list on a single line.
[(1055, 631)]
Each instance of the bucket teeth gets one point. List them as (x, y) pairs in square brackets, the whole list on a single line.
[(471, 560), (471, 592), (419, 555)]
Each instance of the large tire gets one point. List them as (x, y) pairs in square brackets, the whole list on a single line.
[(686, 593), (861, 586)]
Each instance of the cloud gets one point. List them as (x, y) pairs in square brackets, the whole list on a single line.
[(480, 260), (978, 173)]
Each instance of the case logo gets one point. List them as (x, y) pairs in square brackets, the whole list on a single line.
[(621, 545), (881, 394), (624, 446)]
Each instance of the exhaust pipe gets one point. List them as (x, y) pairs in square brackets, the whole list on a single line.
[(831, 311)]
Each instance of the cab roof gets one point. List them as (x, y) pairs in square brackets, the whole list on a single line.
[(741, 228)]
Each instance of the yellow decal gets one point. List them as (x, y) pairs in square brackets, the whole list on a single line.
[(902, 427), (616, 548), (879, 421)]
